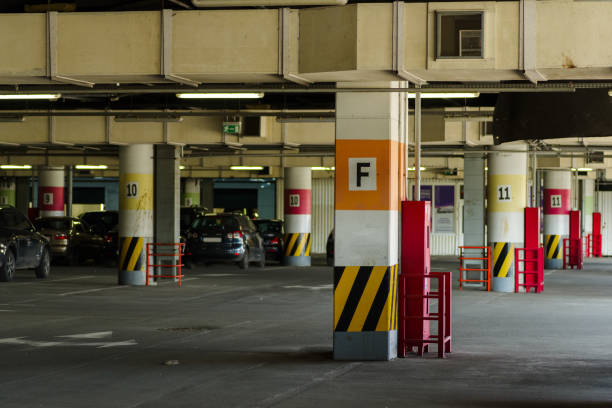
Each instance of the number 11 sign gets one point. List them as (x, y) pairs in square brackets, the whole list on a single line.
[(504, 192)]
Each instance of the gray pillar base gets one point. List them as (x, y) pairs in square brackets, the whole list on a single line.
[(504, 284), (296, 260), (380, 346), (135, 278), (553, 264)]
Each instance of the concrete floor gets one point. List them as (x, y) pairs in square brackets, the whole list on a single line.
[(262, 338)]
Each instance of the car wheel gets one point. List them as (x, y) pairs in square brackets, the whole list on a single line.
[(244, 263), (43, 269), (7, 273)]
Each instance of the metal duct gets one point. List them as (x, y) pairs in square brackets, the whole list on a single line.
[(266, 3)]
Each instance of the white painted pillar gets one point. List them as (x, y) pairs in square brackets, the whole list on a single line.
[(51, 191), (368, 151), (557, 194), (506, 198), (298, 213), (136, 200), (191, 192), (588, 191), (8, 191)]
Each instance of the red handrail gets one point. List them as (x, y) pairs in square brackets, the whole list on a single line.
[(486, 257), (177, 249)]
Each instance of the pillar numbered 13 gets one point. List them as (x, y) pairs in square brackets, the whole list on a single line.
[(557, 194)]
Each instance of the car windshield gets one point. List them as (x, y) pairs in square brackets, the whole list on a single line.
[(53, 223), (269, 227), (215, 223)]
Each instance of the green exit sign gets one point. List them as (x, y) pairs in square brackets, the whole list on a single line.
[(232, 127)]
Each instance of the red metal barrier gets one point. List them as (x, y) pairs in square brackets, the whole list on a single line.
[(442, 316), (177, 253), (485, 255), (587, 245), (596, 246), (572, 253), (530, 264)]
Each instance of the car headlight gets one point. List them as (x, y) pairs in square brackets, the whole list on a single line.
[(3, 248)]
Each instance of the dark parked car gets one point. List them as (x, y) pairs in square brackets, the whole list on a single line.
[(70, 238), (330, 248), (272, 232), (106, 224), (225, 238), (21, 246), (188, 215)]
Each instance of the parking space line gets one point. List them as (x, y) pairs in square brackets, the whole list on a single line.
[(78, 292), (53, 280)]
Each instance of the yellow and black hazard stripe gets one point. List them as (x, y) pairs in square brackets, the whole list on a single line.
[(503, 257), (131, 255), (298, 244), (365, 298), (553, 249)]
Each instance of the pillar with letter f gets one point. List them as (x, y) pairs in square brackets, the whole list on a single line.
[(366, 231)]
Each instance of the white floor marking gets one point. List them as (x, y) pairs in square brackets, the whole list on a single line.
[(218, 275), (6, 310), (23, 341), (53, 280), (318, 287), (93, 335), (78, 292)]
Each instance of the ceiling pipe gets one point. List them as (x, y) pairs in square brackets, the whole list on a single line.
[(266, 3)]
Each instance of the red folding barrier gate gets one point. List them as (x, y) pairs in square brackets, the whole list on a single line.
[(596, 241), (572, 246), (529, 262), (416, 297), (173, 253)]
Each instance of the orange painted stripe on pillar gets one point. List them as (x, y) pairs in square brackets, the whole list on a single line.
[(386, 195)]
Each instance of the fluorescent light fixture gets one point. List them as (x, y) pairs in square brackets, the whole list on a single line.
[(610, 92), (413, 169), (445, 95), (582, 169), (15, 97), (12, 118), (181, 167), (148, 118), (246, 168), (91, 167), (15, 167), (316, 168), (224, 95)]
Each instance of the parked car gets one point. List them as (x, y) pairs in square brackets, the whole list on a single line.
[(21, 246), (330, 249), (106, 224), (71, 238), (188, 215), (272, 232), (225, 238)]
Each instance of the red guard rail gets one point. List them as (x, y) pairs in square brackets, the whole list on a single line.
[(587, 245), (173, 251), (463, 256), (529, 264), (572, 253), (407, 340)]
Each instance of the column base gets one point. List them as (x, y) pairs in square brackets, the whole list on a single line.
[(503, 284), (135, 278), (296, 260), (553, 264), (381, 345)]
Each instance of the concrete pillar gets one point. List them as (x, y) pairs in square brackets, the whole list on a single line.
[(588, 192), (298, 211), (51, 191), (557, 194), (507, 195), (136, 200), (8, 191), (167, 203), (474, 200), (368, 150), (22, 199), (69, 190), (207, 193), (191, 192)]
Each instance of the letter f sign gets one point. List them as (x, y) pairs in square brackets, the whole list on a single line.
[(362, 174)]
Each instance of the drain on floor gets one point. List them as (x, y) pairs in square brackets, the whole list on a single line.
[(189, 329)]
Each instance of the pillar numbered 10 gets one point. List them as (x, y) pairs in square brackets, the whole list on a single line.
[(298, 210), (136, 201)]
